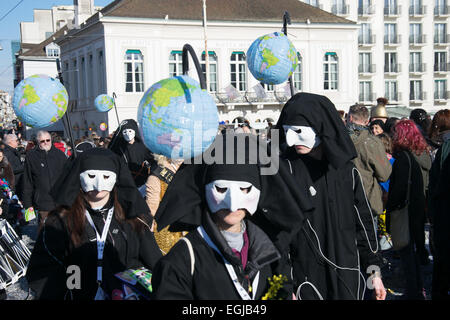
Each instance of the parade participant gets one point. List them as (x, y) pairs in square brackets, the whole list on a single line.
[(406, 175), (102, 226), (226, 254), (6, 171), (43, 165), (13, 156), (338, 242), (156, 187), (127, 143)]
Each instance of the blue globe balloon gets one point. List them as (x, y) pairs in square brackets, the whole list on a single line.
[(39, 101), (272, 58), (104, 103), (178, 119)]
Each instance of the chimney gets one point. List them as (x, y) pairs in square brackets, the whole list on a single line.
[(84, 9)]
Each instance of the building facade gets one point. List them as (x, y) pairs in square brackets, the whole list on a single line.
[(130, 45), (403, 49)]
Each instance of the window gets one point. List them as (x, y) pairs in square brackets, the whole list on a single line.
[(297, 75), (330, 71), (339, 7), (238, 71), (74, 80), (90, 77), (390, 33), (440, 33), (415, 33), (416, 7), (390, 7), (52, 52), (365, 91), (365, 33), (100, 72), (365, 62), (440, 7), (267, 87), (212, 59), (175, 63), (314, 3), (67, 77), (415, 90), (440, 61), (440, 89), (415, 62), (390, 62), (364, 7), (390, 90), (134, 71), (82, 77)]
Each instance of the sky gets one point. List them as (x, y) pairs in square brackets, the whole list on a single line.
[(10, 30)]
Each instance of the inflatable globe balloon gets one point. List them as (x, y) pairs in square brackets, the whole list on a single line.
[(272, 58), (178, 119), (40, 101), (104, 103)]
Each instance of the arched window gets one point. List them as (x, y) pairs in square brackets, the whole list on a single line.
[(297, 75), (238, 71), (134, 71), (330, 71)]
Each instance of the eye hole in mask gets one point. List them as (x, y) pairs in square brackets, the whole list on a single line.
[(105, 177), (92, 176)]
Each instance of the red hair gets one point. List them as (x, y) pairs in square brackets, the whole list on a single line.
[(408, 137)]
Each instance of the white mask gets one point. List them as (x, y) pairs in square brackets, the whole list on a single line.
[(232, 196), (100, 180), (128, 134), (301, 136)]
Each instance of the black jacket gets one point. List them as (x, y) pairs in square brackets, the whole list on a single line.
[(172, 275), (54, 252), (42, 169)]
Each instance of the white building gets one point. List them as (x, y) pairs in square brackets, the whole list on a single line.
[(403, 49), (130, 45)]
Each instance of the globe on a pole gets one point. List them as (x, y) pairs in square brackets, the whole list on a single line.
[(272, 58), (104, 103), (178, 119), (40, 101)]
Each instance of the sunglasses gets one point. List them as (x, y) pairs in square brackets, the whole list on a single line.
[(46, 140)]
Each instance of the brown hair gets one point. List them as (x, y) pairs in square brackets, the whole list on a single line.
[(359, 112), (440, 123), (387, 142), (75, 217)]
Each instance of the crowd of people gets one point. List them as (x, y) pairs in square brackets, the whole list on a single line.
[(349, 187)]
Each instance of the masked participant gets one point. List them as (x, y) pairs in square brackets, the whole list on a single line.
[(127, 143), (338, 242), (230, 252), (102, 226)]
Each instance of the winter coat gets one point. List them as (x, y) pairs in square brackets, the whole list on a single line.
[(54, 251), (13, 157), (42, 169), (373, 165), (172, 277), (398, 189), (424, 161)]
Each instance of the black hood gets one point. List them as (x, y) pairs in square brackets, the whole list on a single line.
[(321, 114), (118, 142)]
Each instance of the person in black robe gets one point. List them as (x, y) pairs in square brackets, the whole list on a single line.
[(95, 188), (338, 243), (127, 143), (269, 212)]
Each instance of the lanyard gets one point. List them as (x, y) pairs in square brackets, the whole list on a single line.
[(100, 241), (242, 292)]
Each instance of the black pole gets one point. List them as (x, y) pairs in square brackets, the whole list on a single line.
[(286, 21), (69, 125), (187, 48), (115, 108)]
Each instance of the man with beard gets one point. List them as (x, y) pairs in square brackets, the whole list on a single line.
[(127, 143), (43, 165)]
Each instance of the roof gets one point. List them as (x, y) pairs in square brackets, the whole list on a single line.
[(38, 50), (217, 10)]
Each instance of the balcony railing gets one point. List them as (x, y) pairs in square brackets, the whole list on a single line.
[(392, 39), (441, 39), (441, 11), (417, 67), (366, 40), (392, 68), (394, 97), (367, 97), (441, 95), (340, 10), (365, 11), (366, 68), (442, 67), (417, 11), (420, 39), (392, 11), (417, 96)]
